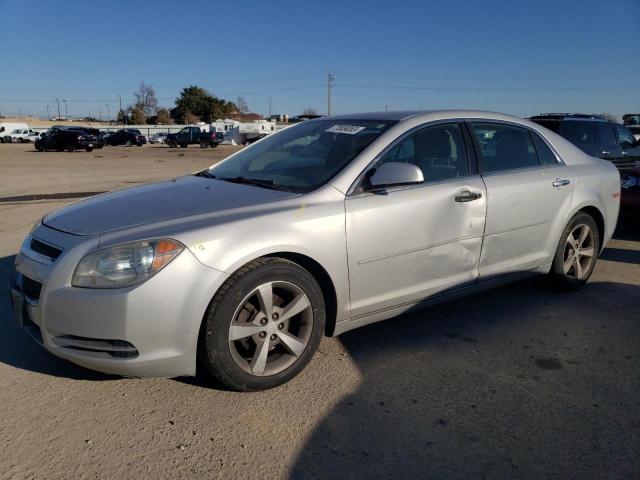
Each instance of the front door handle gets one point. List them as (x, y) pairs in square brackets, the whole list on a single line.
[(624, 153), (561, 182), (467, 196), (605, 152)]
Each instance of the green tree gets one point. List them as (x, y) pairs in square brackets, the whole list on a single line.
[(200, 103), (162, 116)]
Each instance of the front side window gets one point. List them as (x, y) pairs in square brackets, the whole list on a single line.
[(607, 136), (302, 157), (625, 137), (504, 147), (439, 151)]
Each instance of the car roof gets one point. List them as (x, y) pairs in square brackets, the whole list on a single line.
[(425, 115)]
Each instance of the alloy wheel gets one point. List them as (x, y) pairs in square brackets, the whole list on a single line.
[(271, 328), (579, 252)]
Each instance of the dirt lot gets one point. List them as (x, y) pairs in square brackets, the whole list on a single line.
[(515, 383)]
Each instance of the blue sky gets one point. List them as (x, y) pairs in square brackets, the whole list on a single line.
[(520, 57)]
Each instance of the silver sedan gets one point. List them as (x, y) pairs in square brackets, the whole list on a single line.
[(326, 226)]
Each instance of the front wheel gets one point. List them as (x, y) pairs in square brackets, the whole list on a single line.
[(576, 254), (128, 143), (263, 326)]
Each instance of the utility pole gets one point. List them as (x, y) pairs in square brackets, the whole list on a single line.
[(269, 107), (58, 102), (99, 113), (66, 110), (48, 116), (331, 78), (120, 99), (108, 112)]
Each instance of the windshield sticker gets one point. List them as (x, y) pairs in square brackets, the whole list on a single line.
[(348, 129)]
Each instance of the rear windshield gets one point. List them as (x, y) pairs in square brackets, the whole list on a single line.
[(305, 156)]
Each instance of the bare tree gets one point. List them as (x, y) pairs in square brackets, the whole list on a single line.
[(241, 103), (146, 96), (310, 111)]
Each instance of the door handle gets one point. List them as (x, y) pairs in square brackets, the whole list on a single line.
[(605, 152), (561, 182), (624, 153), (467, 196)]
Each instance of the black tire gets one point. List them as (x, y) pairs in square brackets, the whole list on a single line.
[(204, 144), (89, 149), (20, 140), (247, 143), (183, 145), (128, 143), (564, 281), (172, 144), (214, 350), (139, 144), (213, 144)]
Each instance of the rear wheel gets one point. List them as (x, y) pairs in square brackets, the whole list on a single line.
[(203, 144), (172, 144), (183, 145), (263, 326), (129, 143), (577, 253)]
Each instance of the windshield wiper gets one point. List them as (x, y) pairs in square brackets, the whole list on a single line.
[(258, 182)]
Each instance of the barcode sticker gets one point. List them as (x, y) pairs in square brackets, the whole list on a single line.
[(348, 129)]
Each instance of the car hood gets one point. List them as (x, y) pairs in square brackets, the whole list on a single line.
[(157, 202)]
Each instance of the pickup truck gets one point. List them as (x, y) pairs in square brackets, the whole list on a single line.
[(193, 136)]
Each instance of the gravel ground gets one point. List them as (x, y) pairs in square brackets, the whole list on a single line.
[(518, 382)]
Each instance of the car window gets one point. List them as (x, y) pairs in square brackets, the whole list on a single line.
[(607, 136), (545, 155), (439, 151), (504, 147), (581, 134), (625, 137)]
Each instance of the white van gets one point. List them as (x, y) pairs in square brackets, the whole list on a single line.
[(7, 128)]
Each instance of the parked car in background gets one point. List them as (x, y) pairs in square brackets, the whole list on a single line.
[(160, 137), (7, 127), (127, 136), (635, 130), (630, 201), (20, 135), (194, 136), (595, 136), (318, 229), (100, 142), (63, 138), (33, 136)]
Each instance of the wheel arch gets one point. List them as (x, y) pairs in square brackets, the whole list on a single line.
[(324, 280), (598, 217)]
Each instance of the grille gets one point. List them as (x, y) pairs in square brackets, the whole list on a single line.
[(44, 249)]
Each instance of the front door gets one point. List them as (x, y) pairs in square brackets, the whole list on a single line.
[(408, 243)]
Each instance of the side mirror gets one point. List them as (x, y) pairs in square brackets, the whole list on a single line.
[(394, 174)]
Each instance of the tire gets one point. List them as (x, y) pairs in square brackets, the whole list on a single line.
[(128, 143), (183, 145), (204, 144), (567, 273), (247, 143), (89, 149), (20, 140), (289, 342), (213, 144), (172, 144)]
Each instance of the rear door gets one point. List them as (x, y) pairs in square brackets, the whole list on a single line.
[(608, 145), (410, 242), (528, 195)]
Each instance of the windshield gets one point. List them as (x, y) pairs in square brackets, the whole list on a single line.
[(303, 157)]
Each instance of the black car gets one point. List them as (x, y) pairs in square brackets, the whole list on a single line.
[(127, 136), (60, 139), (596, 136), (194, 136), (91, 131)]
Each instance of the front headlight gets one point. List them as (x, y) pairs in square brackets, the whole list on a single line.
[(125, 264)]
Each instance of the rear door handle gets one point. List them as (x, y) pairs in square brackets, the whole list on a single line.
[(561, 182), (467, 196)]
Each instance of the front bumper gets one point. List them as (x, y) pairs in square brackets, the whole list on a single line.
[(148, 330)]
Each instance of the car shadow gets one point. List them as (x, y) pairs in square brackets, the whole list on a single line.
[(19, 350), (517, 382)]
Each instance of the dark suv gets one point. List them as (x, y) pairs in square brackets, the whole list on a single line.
[(62, 138), (127, 136), (595, 136)]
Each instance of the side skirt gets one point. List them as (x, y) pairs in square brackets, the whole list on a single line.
[(442, 297)]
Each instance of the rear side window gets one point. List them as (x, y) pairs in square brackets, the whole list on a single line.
[(607, 137), (581, 134), (545, 154), (504, 147), (625, 137)]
